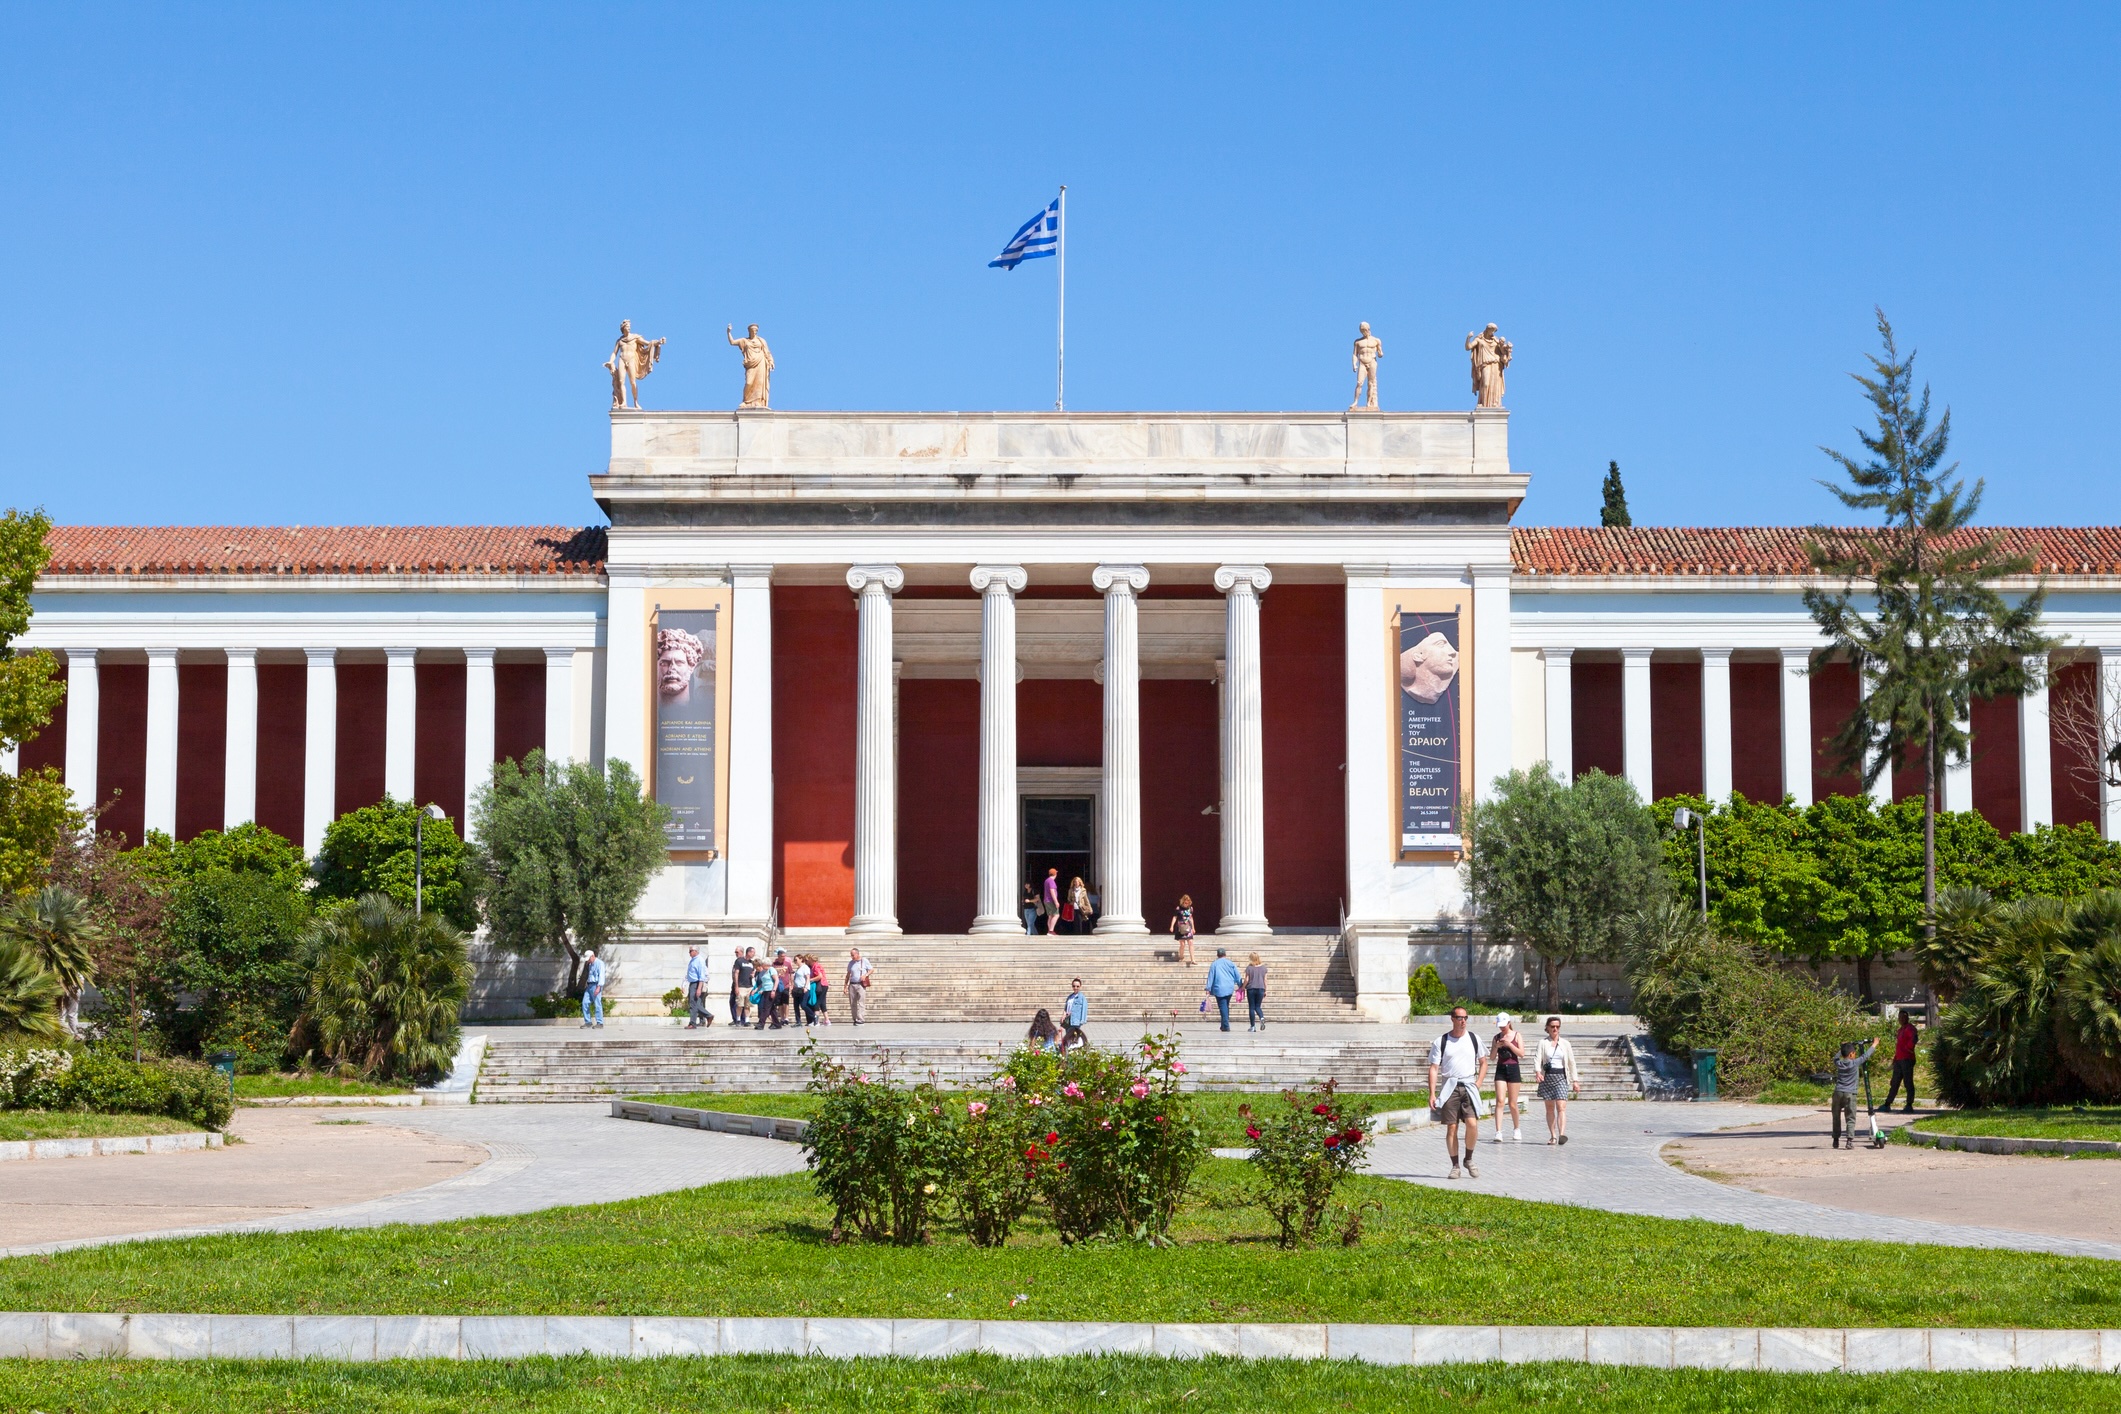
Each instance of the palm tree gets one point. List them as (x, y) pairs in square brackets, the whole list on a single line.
[(387, 988), (29, 996), (55, 926)]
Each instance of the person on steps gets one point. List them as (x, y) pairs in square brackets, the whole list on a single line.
[(1508, 1047), (1457, 1066), (1030, 908), (593, 988), (1903, 1063), (1848, 1071), (859, 976), (1049, 901), (1182, 928), (697, 1014), (1078, 908), (1556, 1064), (1077, 1012), (1255, 994), (1223, 982), (740, 985)]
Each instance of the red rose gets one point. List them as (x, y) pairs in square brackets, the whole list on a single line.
[(1251, 1131), (1353, 1136), (1321, 1109), (1332, 1141), (1052, 1138)]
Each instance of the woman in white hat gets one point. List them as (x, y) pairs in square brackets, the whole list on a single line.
[(1509, 1074)]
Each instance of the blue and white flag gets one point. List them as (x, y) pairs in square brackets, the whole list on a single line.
[(1037, 237)]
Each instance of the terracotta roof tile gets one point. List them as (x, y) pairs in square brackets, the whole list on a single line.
[(1771, 550), (326, 550)]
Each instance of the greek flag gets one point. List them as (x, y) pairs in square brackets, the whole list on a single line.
[(1036, 237)]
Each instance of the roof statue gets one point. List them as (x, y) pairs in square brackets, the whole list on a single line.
[(632, 359), (1368, 350), (758, 364), (1491, 355)]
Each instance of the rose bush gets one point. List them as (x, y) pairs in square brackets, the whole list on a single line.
[(883, 1155), (1302, 1149), (1123, 1144)]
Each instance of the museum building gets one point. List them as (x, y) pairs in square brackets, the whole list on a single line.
[(888, 670)]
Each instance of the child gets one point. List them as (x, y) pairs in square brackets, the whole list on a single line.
[(1848, 1069)]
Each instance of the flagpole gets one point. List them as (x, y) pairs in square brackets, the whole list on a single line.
[(1060, 350)]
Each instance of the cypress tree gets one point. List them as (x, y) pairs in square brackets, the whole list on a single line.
[(1615, 510)]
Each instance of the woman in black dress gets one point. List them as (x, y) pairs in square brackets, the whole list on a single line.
[(1509, 1076)]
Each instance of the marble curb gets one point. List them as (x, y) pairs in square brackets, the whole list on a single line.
[(793, 1131), (53, 1336), (2007, 1144), (91, 1148), (304, 1102)]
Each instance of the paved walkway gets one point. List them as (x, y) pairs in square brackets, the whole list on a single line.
[(1612, 1161)]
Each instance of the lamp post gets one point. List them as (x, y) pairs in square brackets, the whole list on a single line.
[(1692, 819), (419, 853)]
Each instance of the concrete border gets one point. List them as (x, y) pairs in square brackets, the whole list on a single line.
[(59, 1336), (793, 1131), (2006, 1143), (319, 1102), (91, 1148)]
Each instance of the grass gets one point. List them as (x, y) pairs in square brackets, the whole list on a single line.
[(273, 1087), (1821, 1093), (980, 1384), (79, 1124), (760, 1247), (1218, 1108), (2056, 1122)]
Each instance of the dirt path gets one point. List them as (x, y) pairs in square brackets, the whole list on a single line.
[(289, 1160), (1792, 1158)]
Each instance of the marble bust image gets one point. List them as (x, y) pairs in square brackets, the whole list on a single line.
[(1426, 669), (677, 658)]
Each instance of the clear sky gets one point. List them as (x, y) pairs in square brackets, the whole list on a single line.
[(360, 263)]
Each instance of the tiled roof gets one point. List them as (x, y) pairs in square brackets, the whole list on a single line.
[(1771, 549), (326, 550)]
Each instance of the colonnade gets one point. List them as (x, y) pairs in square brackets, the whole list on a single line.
[(1119, 835)]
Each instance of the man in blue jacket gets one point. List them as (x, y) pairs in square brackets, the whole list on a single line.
[(593, 989), (1223, 982)]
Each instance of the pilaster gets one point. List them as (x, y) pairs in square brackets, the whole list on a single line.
[(1244, 790), (875, 774), (1120, 836)]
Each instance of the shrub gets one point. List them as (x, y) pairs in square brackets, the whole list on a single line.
[(881, 1154), (2038, 1015), (108, 1082), (1426, 993), (387, 989), (370, 851), (29, 996), (233, 977), (1125, 1143), (1001, 1152), (1301, 1153)]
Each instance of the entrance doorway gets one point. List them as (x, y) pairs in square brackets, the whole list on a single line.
[(1059, 832)]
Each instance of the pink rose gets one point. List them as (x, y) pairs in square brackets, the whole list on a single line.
[(1139, 1089), (1104, 1124), (1008, 1082), (1072, 1090), (1179, 1067), (976, 1108)]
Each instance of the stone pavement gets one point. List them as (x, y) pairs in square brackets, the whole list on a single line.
[(1613, 1161)]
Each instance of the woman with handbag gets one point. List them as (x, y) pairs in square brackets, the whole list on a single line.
[(1558, 1082)]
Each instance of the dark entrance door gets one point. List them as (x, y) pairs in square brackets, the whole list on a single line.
[(1059, 832)]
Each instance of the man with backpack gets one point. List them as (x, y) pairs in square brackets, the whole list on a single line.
[(1457, 1065)]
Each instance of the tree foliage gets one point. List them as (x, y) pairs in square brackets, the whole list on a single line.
[(55, 925), (126, 902), (370, 850), (564, 853), (35, 810), (29, 996), (246, 849), (232, 973), (1614, 511), (1560, 868), (386, 988)]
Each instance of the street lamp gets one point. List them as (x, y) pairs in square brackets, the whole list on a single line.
[(419, 860), (1686, 819)]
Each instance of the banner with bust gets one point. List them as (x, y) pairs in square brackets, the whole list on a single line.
[(687, 725), (1429, 719)]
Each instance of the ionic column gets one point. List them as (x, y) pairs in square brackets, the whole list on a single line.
[(478, 730), (1244, 788), (1561, 712), (749, 848), (1716, 723), (559, 705), (999, 858), (2036, 784), (875, 783), (1119, 836), (239, 778), (1635, 720), (400, 718), (159, 797), (82, 722), (1797, 725), (320, 749)]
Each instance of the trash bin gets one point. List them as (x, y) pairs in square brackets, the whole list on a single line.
[(225, 1062), (1704, 1075)]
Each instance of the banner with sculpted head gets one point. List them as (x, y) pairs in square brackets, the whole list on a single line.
[(1428, 731), (685, 725)]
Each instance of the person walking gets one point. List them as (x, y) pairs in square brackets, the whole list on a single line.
[(1848, 1070), (593, 988), (821, 990), (1030, 908), (740, 974), (783, 987), (860, 975), (1558, 1082), (1903, 1063), (697, 1014), (1508, 1047), (1078, 907), (1457, 1066), (1049, 901), (1077, 1012), (1223, 982), (1182, 928), (1255, 994)]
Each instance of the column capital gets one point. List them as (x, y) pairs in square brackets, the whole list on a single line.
[(1557, 655), (161, 655), (1478, 573), (1254, 577), (241, 655), (1796, 657), (395, 655), (559, 655), (888, 578), (77, 655), (1636, 655), (1127, 579), (479, 655), (1709, 655), (320, 655), (1008, 578)]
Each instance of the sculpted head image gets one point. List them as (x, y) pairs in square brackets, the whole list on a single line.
[(677, 658), (1426, 669)]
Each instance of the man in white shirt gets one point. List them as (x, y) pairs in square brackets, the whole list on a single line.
[(859, 973), (1457, 1065)]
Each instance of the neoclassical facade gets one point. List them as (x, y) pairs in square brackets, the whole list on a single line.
[(888, 669)]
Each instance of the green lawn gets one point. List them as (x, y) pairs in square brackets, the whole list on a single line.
[(269, 1087), (1806, 1092), (759, 1247), (1218, 1108), (79, 1124), (2058, 1122), (977, 1384)]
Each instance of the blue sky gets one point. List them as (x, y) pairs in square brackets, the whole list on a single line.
[(360, 263)]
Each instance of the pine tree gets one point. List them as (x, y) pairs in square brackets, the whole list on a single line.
[(1615, 510), (1916, 612)]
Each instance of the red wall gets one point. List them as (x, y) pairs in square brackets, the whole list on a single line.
[(2076, 788), (1596, 730), (202, 747), (1675, 729), (1181, 777), (1304, 728), (438, 737), (1995, 723), (48, 747), (814, 646), (362, 692), (518, 710), (1756, 730), (938, 802), (121, 750), (1059, 722), (1835, 697), (283, 704)]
